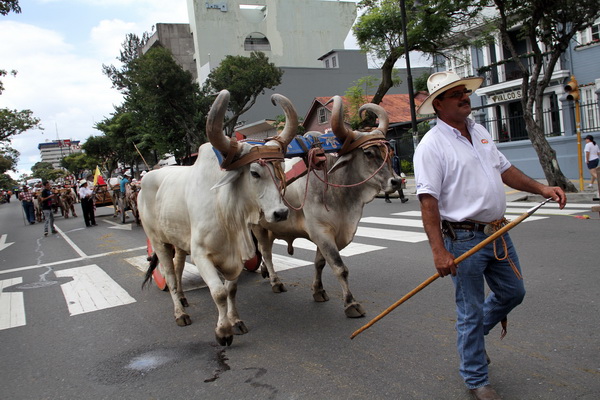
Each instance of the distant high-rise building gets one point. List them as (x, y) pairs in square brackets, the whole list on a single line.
[(53, 152)]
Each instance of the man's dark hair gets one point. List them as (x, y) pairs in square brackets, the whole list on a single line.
[(45, 183)]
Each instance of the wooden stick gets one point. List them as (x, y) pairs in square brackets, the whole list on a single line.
[(457, 260)]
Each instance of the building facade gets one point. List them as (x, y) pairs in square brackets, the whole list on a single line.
[(178, 39), (293, 33), (53, 152), (497, 104)]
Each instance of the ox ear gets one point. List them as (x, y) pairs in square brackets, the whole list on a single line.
[(229, 177), (342, 161)]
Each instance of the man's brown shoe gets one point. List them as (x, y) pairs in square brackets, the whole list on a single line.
[(485, 393)]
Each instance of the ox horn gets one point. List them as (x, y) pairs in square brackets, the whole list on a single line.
[(340, 130), (291, 120), (382, 115), (214, 123)]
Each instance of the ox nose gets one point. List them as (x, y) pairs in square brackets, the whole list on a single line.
[(281, 215)]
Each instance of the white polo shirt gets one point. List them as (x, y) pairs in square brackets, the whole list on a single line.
[(464, 178)]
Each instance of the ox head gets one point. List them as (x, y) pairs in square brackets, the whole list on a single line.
[(259, 166), (369, 152)]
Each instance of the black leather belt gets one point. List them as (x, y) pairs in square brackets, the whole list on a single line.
[(466, 225)]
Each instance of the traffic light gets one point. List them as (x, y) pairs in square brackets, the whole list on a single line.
[(572, 89)]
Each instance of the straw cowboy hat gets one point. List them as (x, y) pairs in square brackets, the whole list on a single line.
[(439, 82), (82, 182)]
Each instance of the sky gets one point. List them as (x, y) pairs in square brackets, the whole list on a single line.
[(58, 48)]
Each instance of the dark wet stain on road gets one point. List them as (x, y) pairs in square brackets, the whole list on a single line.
[(208, 359)]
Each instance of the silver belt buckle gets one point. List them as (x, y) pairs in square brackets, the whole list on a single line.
[(488, 230)]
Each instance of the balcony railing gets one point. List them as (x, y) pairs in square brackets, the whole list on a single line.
[(512, 128), (508, 70)]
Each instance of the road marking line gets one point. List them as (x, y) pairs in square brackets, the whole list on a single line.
[(3, 243), (92, 289), (70, 242), (71, 260), (12, 306), (390, 234), (351, 250)]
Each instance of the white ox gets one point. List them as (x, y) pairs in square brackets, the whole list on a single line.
[(206, 212), (330, 217)]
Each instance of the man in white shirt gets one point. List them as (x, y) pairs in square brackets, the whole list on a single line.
[(87, 203), (460, 177)]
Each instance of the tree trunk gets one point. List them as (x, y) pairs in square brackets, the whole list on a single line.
[(386, 78), (547, 156)]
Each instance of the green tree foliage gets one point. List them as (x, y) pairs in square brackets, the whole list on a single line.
[(165, 104), (6, 182), (8, 159), (116, 145), (14, 122), (46, 172), (356, 97), (7, 6), (429, 27), (76, 163), (163, 111), (129, 52), (246, 78)]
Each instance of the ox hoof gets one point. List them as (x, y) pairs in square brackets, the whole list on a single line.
[(239, 328), (320, 296), (278, 288), (184, 302), (183, 320), (355, 310), (224, 341)]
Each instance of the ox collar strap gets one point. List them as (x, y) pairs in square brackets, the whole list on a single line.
[(363, 141), (266, 153)]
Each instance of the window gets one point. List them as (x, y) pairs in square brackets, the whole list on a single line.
[(334, 62), (257, 42), (460, 63), (322, 115), (590, 34), (327, 63)]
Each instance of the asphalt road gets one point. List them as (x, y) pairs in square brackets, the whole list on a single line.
[(80, 325)]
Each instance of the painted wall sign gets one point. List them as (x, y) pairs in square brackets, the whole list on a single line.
[(502, 97)]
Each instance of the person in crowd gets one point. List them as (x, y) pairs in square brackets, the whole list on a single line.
[(460, 177), (592, 154), (27, 201), (47, 200), (398, 171), (86, 196)]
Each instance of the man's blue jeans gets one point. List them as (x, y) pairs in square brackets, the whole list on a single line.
[(476, 315)]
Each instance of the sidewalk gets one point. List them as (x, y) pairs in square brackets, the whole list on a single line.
[(586, 196)]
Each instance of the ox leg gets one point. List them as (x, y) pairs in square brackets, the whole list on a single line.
[(218, 291), (319, 293), (179, 264), (265, 246), (239, 328), (165, 255), (352, 308)]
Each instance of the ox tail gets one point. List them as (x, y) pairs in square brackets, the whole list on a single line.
[(153, 264)]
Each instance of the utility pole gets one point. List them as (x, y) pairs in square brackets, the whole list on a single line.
[(572, 89), (411, 94)]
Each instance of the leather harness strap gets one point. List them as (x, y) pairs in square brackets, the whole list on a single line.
[(267, 153)]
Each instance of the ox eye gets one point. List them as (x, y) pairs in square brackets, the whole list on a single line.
[(255, 174), (369, 153)]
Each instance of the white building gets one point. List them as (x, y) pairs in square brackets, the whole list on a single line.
[(290, 32)]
